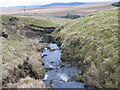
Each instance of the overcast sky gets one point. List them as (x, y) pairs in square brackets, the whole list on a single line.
[(7, 3)]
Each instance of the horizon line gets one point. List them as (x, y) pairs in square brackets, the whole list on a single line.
[(50, 3)]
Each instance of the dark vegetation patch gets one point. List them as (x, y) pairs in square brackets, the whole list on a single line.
[(117, 4), (71, 16)]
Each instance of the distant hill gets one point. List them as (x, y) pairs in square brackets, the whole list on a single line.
[(117, 4), (50, 5), (66, 4)]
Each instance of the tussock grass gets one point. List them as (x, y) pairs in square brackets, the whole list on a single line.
[(28, 82), (20, 56), (93, 40), (12, 49)]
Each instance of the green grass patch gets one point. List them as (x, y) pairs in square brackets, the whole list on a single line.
[(30, 20)]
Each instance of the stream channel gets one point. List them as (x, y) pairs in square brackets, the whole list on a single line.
[(59, 74)]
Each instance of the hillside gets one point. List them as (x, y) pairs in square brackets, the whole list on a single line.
[(20, 56), (65, 4), (30, 20), (92, 42)]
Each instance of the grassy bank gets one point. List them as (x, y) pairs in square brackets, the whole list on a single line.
[(30, 20), (21, 60), (92, 42)]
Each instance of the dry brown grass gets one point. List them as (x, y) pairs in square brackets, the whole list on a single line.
[(27, 82), (20, 58)]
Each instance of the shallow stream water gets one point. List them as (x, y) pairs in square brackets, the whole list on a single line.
[(59, 74)]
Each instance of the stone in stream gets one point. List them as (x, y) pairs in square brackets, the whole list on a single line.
[(48, 47), (52, 62), (43, 55), (50, 67), (45, 78), (52, 49), (69, 65), (62, 66), (64, 77)]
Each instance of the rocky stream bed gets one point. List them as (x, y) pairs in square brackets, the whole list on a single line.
[(59, 74)]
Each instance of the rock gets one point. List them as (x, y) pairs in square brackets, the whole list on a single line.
[(69, 65), (41, 41), (64, 77), (52, 62), (52, 49), (44, 55), (62, 66), (13, 19), (46, 77), (50, 67), (48, 47), (4, 34), (43, 64)]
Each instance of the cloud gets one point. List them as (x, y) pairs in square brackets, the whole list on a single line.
[(7, 3)]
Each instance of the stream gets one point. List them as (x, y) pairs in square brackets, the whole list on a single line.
[(59, 74)]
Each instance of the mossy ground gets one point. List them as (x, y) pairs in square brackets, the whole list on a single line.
[(93, 42)]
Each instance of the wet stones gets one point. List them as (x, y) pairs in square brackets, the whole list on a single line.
[(62, 66), (52, 49), (43, 55), (50, 67), (52, 62)]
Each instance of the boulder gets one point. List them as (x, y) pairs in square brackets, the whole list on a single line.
[(13, 19), (4, 34)]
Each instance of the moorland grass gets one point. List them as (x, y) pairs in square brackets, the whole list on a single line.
[(93, 40), (30, 20)]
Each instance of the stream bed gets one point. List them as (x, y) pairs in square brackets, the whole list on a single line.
[(59, 74)]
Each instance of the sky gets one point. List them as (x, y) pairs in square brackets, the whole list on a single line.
[(8, 3)]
